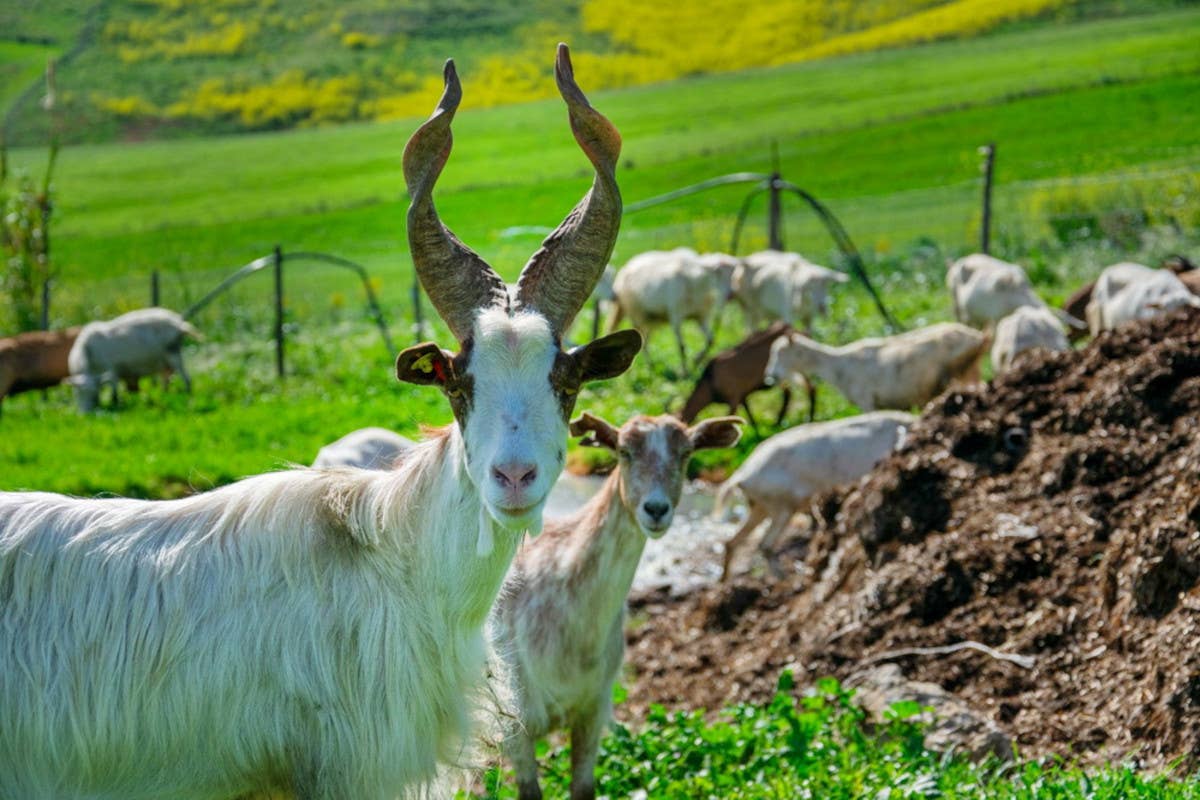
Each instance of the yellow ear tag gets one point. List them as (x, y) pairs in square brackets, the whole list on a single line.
[(424, 363)]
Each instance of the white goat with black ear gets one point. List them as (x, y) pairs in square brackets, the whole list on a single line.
[(317, 633), (558, 627)]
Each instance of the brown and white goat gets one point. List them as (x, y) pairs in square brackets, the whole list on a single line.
[(558, 626), (735, 374), (311, 632)]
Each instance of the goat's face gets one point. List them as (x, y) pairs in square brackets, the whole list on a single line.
[(512, 387), (789, 358), (87, 391), (512, 390), (652, 454)]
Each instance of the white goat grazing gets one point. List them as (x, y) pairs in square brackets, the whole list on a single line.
[(773, 286), (785, 472), (672, 286), (366, 448), (1025, 329), (901, 371), (148, 341), (313, 632), (1129, 291), (558, 626), (986, 289)]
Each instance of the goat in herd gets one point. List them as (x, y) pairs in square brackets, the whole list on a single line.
[(558, 626), (317, 632), (35, 360)]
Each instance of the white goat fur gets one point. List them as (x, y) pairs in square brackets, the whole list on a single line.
[(131, 346), (1026, 328), (901, 371), (986, 289), (312, 631), (366, 448), (672, 286), (783, 474), (558, 625), (774, 286), (1128, 291)]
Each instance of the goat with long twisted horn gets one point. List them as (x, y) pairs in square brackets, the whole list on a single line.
[(322, 629)]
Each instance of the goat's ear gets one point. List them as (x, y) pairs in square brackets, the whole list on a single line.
[(608, 356), (715, 433), (425, 364), (596, 432)]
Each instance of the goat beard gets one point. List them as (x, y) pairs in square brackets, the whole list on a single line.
[(486, 542)]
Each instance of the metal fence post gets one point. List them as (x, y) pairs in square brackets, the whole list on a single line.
[(988, 151), (46, 304), (775, 214), (154, 290), (279, 311)]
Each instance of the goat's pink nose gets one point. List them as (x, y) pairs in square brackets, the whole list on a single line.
[(515, 475)]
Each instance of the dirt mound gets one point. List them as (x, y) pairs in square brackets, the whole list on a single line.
[(1053, 513)]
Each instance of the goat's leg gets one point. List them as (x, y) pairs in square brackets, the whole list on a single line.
[(749, 415), (519, 747), (709, 327), (783, 409), (754, 518), (677, 326), (175, 364), (766, 545), (585, 745)]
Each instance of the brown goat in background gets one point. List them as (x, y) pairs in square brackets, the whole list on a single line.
[(734, 374), (35, 360)]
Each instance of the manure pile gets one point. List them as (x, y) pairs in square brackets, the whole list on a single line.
[(1053, 513)]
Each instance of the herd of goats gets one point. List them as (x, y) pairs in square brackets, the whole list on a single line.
[(323, 632)]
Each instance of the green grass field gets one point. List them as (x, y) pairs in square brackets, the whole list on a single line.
[(888, 140), (1098, 117)]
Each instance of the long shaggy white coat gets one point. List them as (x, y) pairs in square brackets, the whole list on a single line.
[(307, 631)]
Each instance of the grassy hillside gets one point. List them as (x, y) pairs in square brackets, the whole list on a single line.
[(140, 69), (1096, 116)]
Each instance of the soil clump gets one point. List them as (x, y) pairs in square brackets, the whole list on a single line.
[(1052, 513)]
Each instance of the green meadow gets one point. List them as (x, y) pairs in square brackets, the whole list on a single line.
[(1095, 114), (1097, 127)]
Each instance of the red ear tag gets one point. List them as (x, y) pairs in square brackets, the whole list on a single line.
[(439, 371)]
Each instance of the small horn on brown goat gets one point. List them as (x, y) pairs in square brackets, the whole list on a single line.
[(456, 279), (559, 277)]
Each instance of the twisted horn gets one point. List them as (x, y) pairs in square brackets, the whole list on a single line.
[(559, 277), (456, 279)]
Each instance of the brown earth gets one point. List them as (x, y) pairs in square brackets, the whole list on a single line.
[(1053, 513)]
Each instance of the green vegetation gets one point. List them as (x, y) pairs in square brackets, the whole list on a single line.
[(1099, 148), (815, 746), (137, 69), (1104, 123)]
